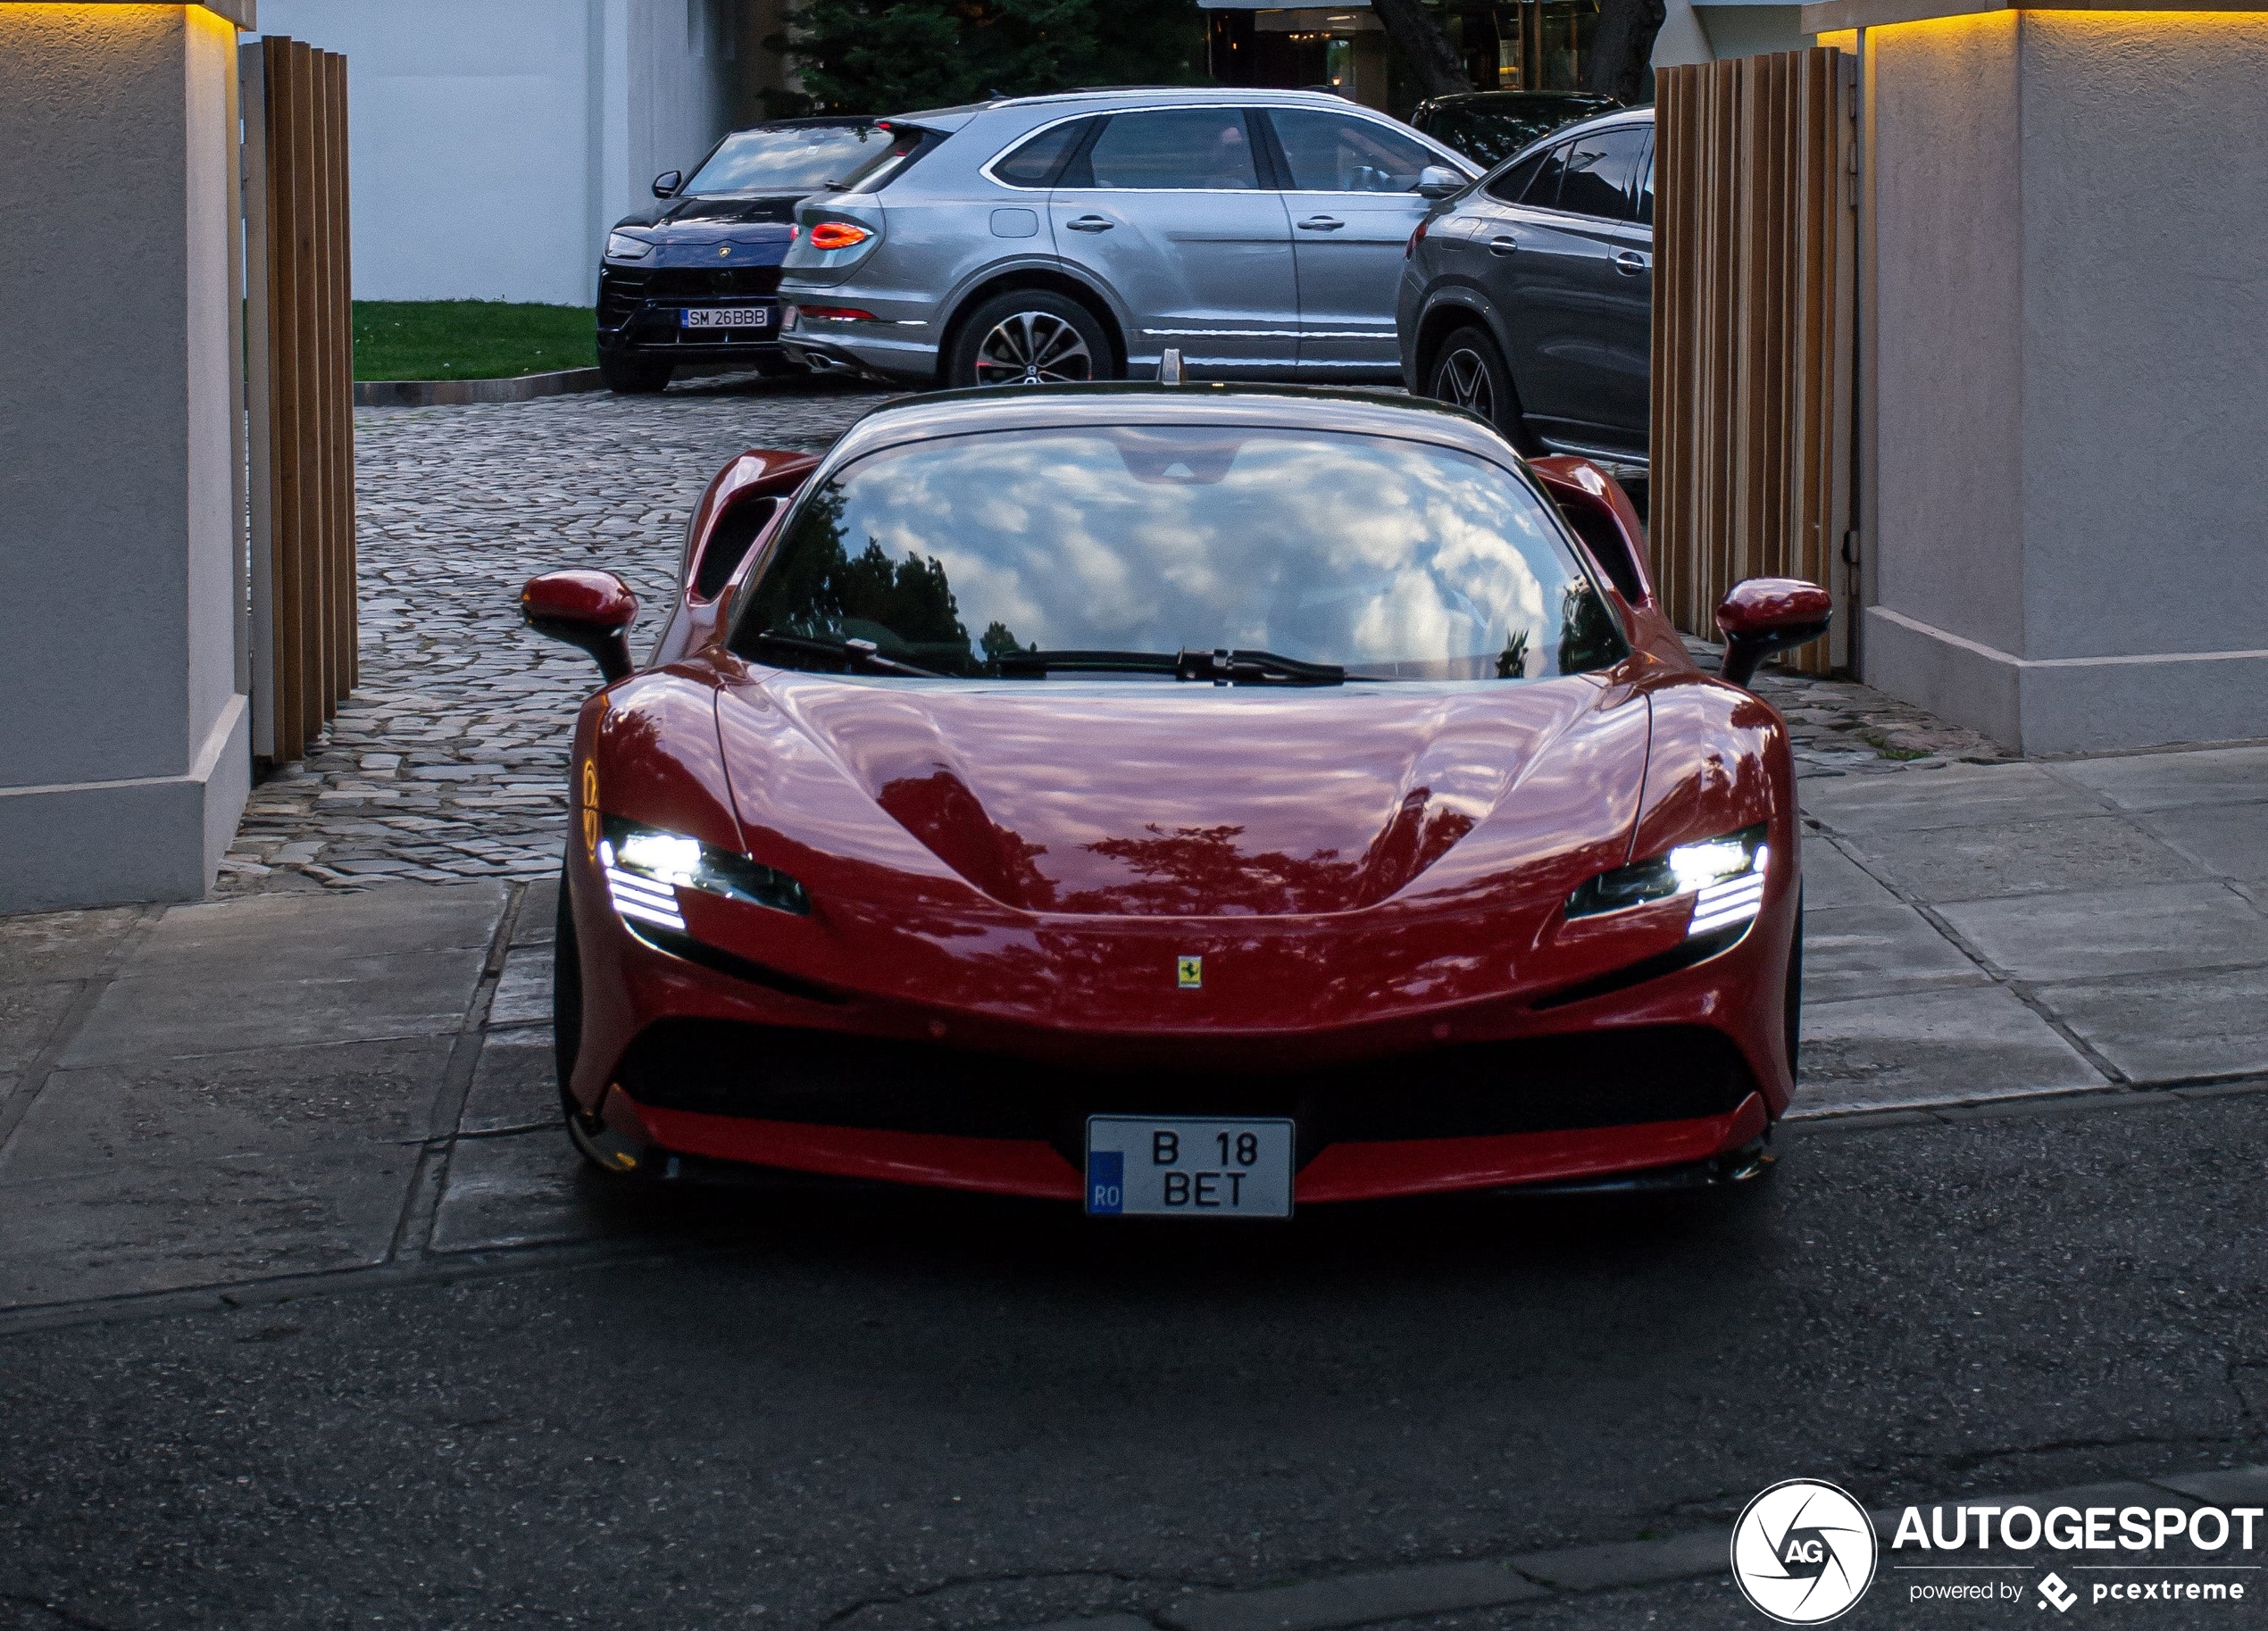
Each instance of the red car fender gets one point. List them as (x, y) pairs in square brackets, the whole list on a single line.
[(1720, 762), (645, 749)]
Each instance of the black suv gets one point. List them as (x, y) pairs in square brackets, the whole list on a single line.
[(1491, 126), (695, 277)]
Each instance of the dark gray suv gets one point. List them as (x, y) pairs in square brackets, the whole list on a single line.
[(1529, 297)]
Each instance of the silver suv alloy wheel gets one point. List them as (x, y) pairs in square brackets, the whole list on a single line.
[(1033, 348)]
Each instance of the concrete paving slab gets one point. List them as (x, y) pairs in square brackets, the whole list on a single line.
[(2166, 781), (2150, 929), (2005, 858), (1865, 951), (515, 1191), (1961, 796), (286, 970), (523, 995), (516, 1083), (124, 1116), (87, 1235), (1832, 878), (61, 945), (28, 1015), (538, 913), (2163, 1027), (2230, 840), (1931, 1047)]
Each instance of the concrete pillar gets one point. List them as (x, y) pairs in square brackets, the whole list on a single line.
[(126, 759), (2065, 380)]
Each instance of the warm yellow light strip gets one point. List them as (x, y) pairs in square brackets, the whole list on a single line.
[(244, 13), (1836, 16)]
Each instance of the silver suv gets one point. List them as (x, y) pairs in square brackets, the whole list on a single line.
[(1078, 236)]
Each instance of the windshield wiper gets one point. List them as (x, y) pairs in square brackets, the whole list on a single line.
[(863, 652), (1220, 666)]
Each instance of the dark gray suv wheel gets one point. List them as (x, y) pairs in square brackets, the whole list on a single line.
[(1470, 372)]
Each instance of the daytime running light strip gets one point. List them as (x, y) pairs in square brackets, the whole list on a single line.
[(1735, 901), (644, 899)]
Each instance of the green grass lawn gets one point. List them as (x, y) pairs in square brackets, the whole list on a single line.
[(469, 339)]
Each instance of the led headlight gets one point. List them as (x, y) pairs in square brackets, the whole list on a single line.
[(622, 246), (647, 866), (1724, 876)]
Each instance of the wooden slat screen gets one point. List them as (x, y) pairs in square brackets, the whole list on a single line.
[(1754, 236), (304, 630)]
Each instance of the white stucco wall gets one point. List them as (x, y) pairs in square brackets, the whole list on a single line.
[(1708, 31), (127, 761), (492, 142), (2071, 374)]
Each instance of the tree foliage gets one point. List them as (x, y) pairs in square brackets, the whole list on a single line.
[(896, 56)]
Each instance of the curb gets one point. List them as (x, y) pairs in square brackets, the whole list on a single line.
[(456, 393), (1423, 1590)]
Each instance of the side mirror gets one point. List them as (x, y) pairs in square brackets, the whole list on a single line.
[(666, 183), (1438, 182), (1764, 615), (590, 610)]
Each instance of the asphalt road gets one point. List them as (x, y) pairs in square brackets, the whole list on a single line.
[(807, 1408)]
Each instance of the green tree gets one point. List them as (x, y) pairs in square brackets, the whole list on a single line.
[(896, 56)]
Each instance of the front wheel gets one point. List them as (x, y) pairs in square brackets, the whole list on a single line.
[(1030, 337), (1469, 372), (632, 376)]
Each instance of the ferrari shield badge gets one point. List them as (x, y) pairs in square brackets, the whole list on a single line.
[(1188, 972)]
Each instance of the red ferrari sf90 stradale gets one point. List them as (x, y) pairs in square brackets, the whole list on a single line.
[(1177, 799)]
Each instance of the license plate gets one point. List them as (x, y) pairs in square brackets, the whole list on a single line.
[(728, 317), (1206, 1167)]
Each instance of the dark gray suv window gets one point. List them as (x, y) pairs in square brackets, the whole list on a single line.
[(1599, 174), (1538, 174), (1037, 161), (1200, 148)]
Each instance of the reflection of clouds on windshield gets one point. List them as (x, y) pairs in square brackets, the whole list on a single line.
[(1345, 548)]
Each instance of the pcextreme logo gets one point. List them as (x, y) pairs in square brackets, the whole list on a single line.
[(1803, 1553)]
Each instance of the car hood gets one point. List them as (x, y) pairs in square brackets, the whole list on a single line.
[(713, 231), (715, 211), (1142, 800)]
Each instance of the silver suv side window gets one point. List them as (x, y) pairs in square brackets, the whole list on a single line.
[(1205, 149), (1036, 162), (1329, 153)]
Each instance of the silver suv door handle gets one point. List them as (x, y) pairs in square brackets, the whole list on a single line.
[(1321, 223), (1091, 224), (1629, 263), (1503, 246)]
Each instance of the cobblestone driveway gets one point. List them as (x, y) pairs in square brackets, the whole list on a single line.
[(449, 760)]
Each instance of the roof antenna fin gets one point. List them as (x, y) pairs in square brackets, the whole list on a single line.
[(1169, 366)]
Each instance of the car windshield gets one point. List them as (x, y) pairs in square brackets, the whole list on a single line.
[(796, 159), (1333, 555)]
